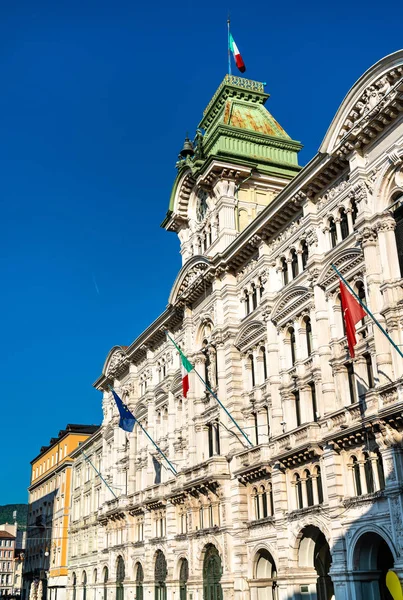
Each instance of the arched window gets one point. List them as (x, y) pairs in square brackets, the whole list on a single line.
[(309, 487), (397, 199), (305, 254), (381, 474), (271, 502), (84, 580), (160, 575), (252, 369), (294, 263), (247, 305), (264, 359), (284, 270), (293, 347), (356, 476), (369, 476), (319, 484), (264, 501), (343, 224), (354, 211), (139, 582), (95, 576), (333, 232), (298, 491), (105, 578), (361, 295), (308, 334), (256, 503), (74, 578), (254, 297)]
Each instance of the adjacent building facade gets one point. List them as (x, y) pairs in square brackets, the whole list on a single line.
[(313, 507), (45, 561), (12, 545)]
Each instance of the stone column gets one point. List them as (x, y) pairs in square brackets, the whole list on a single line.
[(361, 465), (338, 229), (289, 269), (304, 492), (350, 220), (300, 264), (315, 490)]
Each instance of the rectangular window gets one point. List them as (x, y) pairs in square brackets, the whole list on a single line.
[(297, 408), (370, 373), (256, 428), (210, 440), (313, 400), (351, 383)]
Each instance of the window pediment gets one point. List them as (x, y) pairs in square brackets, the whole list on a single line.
[(250, 334), (290, 303), (346, 261)]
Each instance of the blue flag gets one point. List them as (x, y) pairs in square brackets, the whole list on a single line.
[(157, 469), (127, 419)]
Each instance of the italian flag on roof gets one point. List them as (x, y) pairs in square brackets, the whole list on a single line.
[(236, 54)]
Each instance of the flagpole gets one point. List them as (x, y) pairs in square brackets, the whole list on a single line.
[(174, 471), (223, 407), (214, 395), (87, 458), (385, 333), (229, 50)]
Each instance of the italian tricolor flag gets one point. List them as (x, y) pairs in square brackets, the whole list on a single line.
[(186, 368), (236, 54)]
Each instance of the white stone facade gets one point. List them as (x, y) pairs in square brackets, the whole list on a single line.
[(314, 508)]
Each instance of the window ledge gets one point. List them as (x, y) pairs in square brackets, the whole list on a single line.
[(295, 514), (259, 522), (364, 499), (207, 530)]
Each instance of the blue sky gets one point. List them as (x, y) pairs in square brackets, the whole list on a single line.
[(95, 101)]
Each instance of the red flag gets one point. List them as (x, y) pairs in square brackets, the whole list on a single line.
[(352, 313)]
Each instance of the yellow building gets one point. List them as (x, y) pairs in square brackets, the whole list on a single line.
[(48, 514)]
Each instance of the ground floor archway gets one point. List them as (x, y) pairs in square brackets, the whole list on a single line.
[(372, 559), (314, 556), (212, 571), (264, 582)]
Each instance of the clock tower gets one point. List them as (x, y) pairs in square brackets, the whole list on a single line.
[(240, 159)]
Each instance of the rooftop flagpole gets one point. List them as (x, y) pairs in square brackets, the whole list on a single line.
[(369, 313), (229, 49)]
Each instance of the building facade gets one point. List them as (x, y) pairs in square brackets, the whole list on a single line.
[(7, 554), (313, 507), (11, 581), (45, 557)]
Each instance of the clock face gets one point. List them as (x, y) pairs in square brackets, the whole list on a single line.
[(201, 205)]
